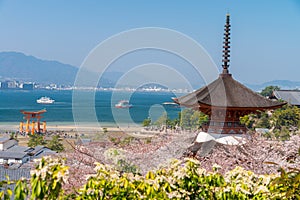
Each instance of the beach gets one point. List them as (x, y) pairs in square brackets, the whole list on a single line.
[(86, 128)]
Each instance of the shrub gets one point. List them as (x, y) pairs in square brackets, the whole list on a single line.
[(180, 180)]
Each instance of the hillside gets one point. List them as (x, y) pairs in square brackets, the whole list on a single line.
[(283, 84), (19, 66)]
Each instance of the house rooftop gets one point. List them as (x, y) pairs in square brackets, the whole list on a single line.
[(37, 149), (14, 174), (12, 154), (17, 148), (4, 139), (290, 96)]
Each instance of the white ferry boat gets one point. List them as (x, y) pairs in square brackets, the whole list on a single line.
[(45, 100), (123, 104), (170, 104)]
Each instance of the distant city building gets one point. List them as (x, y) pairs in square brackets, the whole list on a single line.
[(4, 85), (13, 84), (27, 86), (9, 84)]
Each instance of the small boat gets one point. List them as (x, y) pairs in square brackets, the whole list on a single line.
[(170, 104), (123, 104), (45, 100)]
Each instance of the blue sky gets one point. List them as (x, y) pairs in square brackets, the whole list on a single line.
[(265, 40)]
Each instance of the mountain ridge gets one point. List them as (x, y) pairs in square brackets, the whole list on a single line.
[(17, 65)]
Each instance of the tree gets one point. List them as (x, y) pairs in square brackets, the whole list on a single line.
[(185, 121), (263, 121), (192, 118), (146, 122), (55, 144), (162, 120), (35, 140), (268, 91), (287, 116), (248, 120)]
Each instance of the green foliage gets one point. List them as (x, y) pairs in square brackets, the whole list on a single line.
[(126, 141), (263, 121), (35, 140), (148, 140), (48, 178), (287, 116), (260, 120), (188, 119), (268, 91), (5, 189), (46, 182), (122, 142), (115, 140), (55, 144), (286, 185), (118, 159), (13, 136), (21, 190), (162, 120), (248, 120), (126, 167), (283, 134), (180, 180), (283, 122), (146, 122), (191, 119), (104, 130)]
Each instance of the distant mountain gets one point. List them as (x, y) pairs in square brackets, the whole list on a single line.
[(14, 65), (18, 66), (283, 84)]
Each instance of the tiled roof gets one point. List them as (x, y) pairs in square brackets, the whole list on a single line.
[(290, 96), (4, 139), (37, 149), (17, 148), (11, 154), (14, 174)]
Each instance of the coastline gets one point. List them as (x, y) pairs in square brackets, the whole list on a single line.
[(72, 127)]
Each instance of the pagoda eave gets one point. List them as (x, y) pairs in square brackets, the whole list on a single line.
[(229, 108), (207, 107)]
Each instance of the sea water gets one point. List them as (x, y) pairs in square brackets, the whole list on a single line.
[(145, 104)]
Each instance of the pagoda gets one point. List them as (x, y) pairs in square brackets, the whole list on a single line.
[(225, 100)]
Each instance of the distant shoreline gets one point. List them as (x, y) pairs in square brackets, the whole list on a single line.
[(108, 89)]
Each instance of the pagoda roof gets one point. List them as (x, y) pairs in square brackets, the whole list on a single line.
[(228, 93), (225, 92)]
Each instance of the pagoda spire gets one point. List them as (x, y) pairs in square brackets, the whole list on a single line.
[(226, 47)]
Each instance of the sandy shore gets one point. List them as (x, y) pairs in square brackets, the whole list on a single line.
[(71, 127)]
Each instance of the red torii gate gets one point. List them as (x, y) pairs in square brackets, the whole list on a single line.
[(33, 115)]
